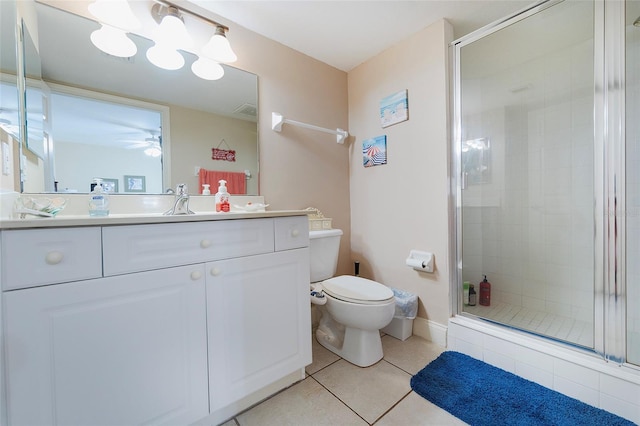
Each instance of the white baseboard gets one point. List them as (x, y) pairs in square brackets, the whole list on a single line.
[(430, 330)]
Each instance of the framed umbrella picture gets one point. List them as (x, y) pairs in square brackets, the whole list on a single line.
[(374, 151)]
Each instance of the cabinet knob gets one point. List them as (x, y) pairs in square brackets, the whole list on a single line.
[(205, 243), (196, 275), (215, 272), (54, 257), (295, 233)]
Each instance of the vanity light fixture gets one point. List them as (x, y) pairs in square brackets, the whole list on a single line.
[(171, 31), (218, 48), (116, 13), (116, 19), (207, 69), (170, 36), (113, 41), (165, 57)]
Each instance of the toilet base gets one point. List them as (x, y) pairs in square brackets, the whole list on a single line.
[(359, 347)]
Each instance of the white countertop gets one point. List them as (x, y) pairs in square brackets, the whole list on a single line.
[(134, 219), (132, 210)]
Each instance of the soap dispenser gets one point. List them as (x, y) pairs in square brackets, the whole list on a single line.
[(485, 292), (205, 189), (98, 199), (222, 197)]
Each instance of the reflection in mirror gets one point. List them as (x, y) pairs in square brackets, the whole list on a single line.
[(85, 85), (9, 119)]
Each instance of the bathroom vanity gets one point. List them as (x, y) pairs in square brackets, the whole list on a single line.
[(170, 320)]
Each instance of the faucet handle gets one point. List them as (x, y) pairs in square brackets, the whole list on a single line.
[(181, 189)]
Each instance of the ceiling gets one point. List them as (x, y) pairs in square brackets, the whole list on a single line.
[(345, 34)]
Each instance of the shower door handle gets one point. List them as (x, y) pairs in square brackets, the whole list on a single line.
[(465, 177)]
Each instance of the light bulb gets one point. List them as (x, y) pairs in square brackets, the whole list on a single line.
[(116, 13), (207, 69), (165, 57), (172, 31), (218, 48), (113, 41)]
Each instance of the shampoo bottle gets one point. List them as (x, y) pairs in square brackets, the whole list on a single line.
[(472, 295), (485, 292), (465, 292), (222, 197), (98, 200)]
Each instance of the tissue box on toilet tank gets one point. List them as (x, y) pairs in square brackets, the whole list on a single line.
[(317, 221)]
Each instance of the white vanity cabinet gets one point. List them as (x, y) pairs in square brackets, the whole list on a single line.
[(121, 350), (184, 322), (259, 323)]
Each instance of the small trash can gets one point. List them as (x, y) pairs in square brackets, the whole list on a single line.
[(401, 326)]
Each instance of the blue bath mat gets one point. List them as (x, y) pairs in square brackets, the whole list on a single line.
[(481, 394)]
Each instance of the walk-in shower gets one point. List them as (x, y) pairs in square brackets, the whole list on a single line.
[(546, 174)]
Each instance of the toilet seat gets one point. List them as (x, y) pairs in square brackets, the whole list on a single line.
[(357, 290)]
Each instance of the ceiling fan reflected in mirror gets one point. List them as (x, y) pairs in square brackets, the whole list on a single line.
[(151, 145)]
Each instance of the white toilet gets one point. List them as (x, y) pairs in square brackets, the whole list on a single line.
[(355, 309)]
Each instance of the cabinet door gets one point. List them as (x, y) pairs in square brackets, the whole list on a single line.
[(259, 322), (113, 351)]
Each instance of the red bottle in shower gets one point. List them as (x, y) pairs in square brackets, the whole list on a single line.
[(485, 292)]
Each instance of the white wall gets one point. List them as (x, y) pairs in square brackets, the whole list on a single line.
[(403, 205), (89, 161)]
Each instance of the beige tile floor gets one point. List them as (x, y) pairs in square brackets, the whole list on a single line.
[(338, 393)]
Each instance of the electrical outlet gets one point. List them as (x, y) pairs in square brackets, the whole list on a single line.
[(196, 171)]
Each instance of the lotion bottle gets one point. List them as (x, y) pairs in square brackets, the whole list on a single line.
[(222, 197)]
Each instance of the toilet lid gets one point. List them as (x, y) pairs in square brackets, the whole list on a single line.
[(357, 290)]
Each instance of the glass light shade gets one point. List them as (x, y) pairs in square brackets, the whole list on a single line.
[(113, 41), (172, 32), (207, 69), (116, 13), (153, 151), (165, 57), (218, 48)]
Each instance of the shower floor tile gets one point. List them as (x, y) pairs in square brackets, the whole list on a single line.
[(544, 323)]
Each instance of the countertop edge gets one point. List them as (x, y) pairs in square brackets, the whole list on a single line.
[(132, 219)]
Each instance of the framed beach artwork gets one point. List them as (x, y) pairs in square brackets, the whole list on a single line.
[(374, 151), (110, 185), (394, 108), (134, 183)]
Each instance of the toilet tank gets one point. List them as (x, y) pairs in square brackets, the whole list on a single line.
[(324, 246)]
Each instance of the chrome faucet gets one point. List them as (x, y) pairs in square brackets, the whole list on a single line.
[(181, 203)]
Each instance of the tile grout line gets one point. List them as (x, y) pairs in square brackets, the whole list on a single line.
[(341, 401), (391, 408)]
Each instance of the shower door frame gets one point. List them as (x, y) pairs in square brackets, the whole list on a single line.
[(609, 174)]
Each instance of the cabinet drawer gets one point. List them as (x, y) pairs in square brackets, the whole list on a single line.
[(143, 247), (291, 232), (35, 257)]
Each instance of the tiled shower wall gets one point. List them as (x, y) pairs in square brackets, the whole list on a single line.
[(530, 228)]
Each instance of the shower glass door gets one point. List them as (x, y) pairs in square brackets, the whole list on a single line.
[(632, 35), (525, 135)]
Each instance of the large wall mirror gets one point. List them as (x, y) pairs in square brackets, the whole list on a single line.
[(91, 115)]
